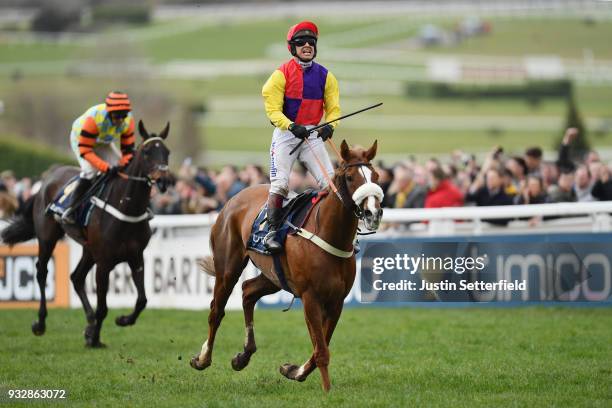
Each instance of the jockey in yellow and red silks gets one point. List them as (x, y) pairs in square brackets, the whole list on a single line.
[(93, 139), (296, 96)]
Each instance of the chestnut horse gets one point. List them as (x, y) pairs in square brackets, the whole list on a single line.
[(322, 280), (107, 240)]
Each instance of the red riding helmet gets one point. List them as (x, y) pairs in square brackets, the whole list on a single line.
[(305, 28)]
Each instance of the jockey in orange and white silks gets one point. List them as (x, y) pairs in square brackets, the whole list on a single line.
[(93, 139), (296, 96)]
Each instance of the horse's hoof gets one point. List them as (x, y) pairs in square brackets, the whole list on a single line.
[(92, 339), (290, 371), (95, 344), (124, 321), (195, 363), (38, 328), (240, 361)]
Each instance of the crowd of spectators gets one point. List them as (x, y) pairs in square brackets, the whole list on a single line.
[(499, 180)]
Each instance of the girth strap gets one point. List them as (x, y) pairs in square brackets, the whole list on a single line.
[(323, 244), (118, 214)]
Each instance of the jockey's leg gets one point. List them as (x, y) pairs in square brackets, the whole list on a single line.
[(280, 168), (110, 154), (307, 155), (83, 185)]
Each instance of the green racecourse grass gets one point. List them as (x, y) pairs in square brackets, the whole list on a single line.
[(379, 357)]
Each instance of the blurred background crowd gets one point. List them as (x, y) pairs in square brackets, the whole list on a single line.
[(462, 180)]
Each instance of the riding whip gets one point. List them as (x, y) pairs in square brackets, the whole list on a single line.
[(331, 121)]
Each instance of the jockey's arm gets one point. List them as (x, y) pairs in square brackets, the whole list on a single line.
[(87, 140), (274, 97), (331, 102), (127, 143)]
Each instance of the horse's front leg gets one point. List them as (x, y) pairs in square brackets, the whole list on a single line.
[(330, 315), (92, 331), (137, 267), (78, 281)]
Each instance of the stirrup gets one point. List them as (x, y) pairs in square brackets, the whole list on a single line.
[(271, 243), (68, 216)]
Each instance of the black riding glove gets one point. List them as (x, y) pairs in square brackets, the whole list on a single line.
[(326, 132), (113, 170), (299, 131)]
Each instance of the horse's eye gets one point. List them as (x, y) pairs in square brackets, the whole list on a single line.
[(349, 178)]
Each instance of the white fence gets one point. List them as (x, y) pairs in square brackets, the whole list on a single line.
[(173, 278)]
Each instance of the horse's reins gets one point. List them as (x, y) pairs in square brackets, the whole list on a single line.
[(354, 208), (115, 212)]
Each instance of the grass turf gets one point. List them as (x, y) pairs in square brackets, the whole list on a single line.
[(380, 357)]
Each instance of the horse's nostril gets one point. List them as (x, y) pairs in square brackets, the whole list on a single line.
[(380, 212), (368, 213)]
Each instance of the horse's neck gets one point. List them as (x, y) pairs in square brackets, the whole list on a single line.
[(132, 196), (337, 225)]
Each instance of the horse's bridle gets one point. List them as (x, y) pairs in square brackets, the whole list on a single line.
[(147, 179), (346, 198)]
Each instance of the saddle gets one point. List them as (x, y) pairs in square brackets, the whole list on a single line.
[(65, 196), (295, 214)]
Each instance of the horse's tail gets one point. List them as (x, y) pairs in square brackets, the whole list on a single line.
[(207, 264), (21, 227)]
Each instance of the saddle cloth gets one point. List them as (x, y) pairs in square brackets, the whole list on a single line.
[(295, 212), (63, 200)]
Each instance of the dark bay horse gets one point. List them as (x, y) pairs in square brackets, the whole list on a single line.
[(322, 280), (107, 240)]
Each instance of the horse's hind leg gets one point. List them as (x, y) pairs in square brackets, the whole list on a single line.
[(78, 281), (137, 268), (252, 291), (226, 277), (45, 250)]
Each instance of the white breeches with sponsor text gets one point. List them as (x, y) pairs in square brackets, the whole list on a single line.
[(281, 161)]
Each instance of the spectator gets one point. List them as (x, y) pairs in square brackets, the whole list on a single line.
[(532, 191), (489, 192), (168, 203), (549, 172), (508, 183), (563, 191), (602, 189), (442, 192), (8, 203), (583, 184), (533, 159), (404, 192), (228, 184), (385, 176), (518, 169)]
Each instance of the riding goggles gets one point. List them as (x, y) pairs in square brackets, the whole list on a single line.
[(301, 41)]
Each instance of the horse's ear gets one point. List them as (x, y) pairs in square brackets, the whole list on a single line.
[(164, 133), (141, 129), (345, 151), (372, 151)]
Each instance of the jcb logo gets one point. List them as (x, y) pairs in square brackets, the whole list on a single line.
[(18, 283), (18, 279)]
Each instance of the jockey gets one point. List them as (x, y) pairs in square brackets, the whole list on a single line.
[(91, 140), (295, 97)]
